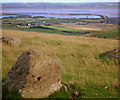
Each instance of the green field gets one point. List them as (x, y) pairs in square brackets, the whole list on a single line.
[(12, 23), (110, 34), (55, 30)]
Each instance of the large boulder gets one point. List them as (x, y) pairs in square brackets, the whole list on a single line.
[(11, 40), (34, 75)]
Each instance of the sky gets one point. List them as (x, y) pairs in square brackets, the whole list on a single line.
[(57, 1)]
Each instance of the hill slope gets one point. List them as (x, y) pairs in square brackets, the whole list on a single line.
[(79, 57)]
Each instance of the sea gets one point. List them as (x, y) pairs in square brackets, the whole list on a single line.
[(52, 10)]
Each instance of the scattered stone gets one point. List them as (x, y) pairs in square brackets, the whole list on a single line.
[(76, 93), (65, 83), (65, 88), (71, 82), (106, 87), (11, 40), (115, 53), (34, 75), (95, 93)]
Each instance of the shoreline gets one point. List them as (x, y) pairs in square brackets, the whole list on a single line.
[(101, 16)]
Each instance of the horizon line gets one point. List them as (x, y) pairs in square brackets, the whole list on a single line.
[(59, 2)]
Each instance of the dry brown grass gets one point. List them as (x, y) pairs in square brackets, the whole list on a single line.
[(90, 26)]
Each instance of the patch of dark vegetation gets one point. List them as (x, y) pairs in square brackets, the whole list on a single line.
[(110, 55), (107, 34), (103, 57), (10, 95), (42, 27), (71, 32)]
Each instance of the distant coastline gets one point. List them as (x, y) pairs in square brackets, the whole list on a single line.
[(54, 15), (96, 9)]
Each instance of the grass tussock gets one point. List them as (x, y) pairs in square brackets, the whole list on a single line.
[(79, 57)]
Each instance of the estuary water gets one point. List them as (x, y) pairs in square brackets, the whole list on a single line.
[(55, 16), (56, 10)]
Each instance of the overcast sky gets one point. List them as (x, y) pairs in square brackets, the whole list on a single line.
[(56, 1)]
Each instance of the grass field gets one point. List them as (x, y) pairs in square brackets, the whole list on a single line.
[(55, 30), (89, 26), (64, 26), (110, 34), (79, 56), (107, 34)]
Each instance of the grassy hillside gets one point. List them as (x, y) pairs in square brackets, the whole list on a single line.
[(80, 58), (111, 34)]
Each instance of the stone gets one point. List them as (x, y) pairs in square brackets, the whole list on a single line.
[(106, 87), (65, 83), (115, 53), (71, 82), (11, 40), (76, 93), (65, 88), (34, 75)]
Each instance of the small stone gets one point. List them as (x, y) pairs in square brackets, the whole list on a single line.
[(65, 83), (11, 40), (76, 93), (71, 82), (31, 90), (20, 90), (114, 54), (106, 87), (65, 88)]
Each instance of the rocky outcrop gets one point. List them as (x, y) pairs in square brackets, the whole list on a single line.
[(11, 40), (115, 53), (34, 75)]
